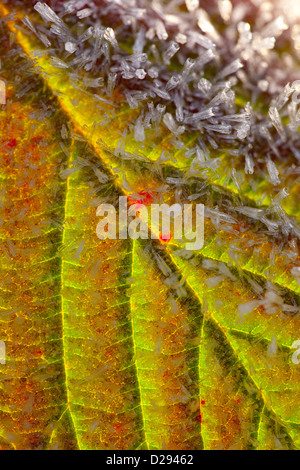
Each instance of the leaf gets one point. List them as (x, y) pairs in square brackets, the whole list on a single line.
[(123, 344)]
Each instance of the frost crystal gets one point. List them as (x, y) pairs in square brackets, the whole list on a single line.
[(170, 52), (70, 47), (140, 73), (84, 13), (231, 68), (225, 8), (47, 13), (275, 118), (192, 5), (109, 35), (273, 172)]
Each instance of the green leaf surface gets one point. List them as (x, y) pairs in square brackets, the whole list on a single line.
[(130, 344)]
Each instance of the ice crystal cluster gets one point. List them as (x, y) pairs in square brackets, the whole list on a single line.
[(225, 72), (140, 344)]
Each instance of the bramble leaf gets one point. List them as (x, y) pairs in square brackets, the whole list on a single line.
[(136, 344)]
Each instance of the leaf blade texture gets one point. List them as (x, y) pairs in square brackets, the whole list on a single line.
[(141, 344)]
